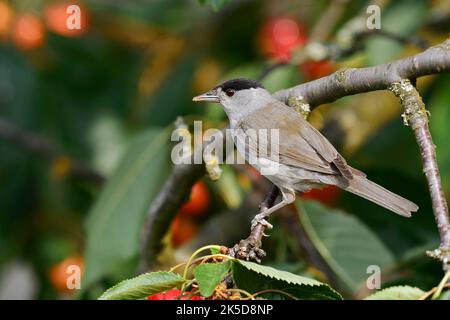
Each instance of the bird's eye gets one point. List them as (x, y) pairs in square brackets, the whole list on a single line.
[(229, 92)]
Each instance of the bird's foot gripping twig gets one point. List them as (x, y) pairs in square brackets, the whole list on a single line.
[(260, 218), (250, 248)]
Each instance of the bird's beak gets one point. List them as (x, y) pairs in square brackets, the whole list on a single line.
[(210, 96)]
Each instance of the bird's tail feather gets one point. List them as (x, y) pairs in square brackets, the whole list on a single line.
[(379, 195)]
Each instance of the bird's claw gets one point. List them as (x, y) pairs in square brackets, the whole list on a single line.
[(249, 250), (261, 219)]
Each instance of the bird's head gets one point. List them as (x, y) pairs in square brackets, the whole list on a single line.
[(237, 96)]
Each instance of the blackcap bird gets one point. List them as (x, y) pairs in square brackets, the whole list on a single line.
[(305, 159)]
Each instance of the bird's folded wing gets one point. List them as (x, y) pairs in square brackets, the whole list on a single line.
[(300, 144)]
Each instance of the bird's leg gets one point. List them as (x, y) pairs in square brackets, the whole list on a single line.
[(250, 248), (288, 197)]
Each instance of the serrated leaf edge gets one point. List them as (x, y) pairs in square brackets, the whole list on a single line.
[(391, 288), (138, 276), (273, 277), (319, 284)]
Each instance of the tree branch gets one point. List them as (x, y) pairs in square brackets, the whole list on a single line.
[(173, 194), (347, 82), (164, 208), (328, 20), (416, 116)]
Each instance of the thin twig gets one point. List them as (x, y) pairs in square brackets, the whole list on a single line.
[(163, 209), (324, 27), (416, 116), (250, 248), (276, 291), (429, 293), (441, 286)]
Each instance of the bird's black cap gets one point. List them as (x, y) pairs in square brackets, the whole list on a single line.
[(239, 84)]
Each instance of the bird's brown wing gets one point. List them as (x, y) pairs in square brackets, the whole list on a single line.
[(300, 144)]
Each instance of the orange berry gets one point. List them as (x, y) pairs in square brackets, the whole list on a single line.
[(6, 17), (28, 32), (58, 17), (60, 272)]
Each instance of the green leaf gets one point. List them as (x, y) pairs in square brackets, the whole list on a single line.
[(214, 251), (282, 77), (216, 5), (445, 295), (143, 286), (254, 277), (397, 293), (346, 244), (114, 222), (209, 275)]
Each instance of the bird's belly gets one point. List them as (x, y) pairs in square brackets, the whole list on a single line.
[(282, 175), (294, 178)]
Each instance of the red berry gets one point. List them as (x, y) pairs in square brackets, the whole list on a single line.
[(183, 229), (173, 295), (326, 195), (317, 69), (280, 36), (198, 202)]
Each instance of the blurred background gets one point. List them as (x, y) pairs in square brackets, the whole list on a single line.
[(86, 117)]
